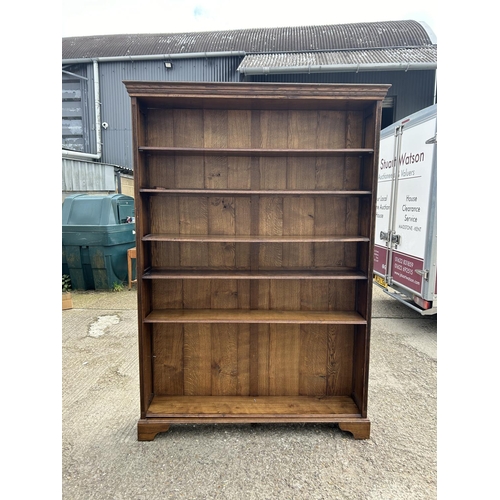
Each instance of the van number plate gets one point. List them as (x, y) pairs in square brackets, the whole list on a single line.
[(381, 281)]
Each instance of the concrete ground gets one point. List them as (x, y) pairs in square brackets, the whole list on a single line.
[(102, 459)]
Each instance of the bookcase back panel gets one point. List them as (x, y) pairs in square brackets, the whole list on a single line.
[(266, 257), (289, 294), (215, 360), (235, 172), (222, 128), (272, 215)]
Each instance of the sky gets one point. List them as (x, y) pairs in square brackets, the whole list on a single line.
[(108, 17)]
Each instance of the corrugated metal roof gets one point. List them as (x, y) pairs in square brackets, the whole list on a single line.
[(345, 60), (387, 34)]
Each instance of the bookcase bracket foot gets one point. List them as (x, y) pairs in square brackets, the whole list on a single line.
[(147, 431), (359, 430)]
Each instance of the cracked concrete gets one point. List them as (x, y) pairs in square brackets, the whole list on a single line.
[(101, 324)]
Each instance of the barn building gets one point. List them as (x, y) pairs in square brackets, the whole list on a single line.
[(96, 117)]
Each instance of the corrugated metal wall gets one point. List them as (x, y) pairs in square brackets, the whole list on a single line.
[(411, 90), (115, 101), (86, 176)]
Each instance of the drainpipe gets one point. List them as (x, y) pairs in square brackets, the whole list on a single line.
[(98, 137), (435, 87)]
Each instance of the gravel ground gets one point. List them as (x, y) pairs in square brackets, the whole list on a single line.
[(102, 459)]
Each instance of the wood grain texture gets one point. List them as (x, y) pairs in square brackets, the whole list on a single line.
[(168, 359), (197, 360)]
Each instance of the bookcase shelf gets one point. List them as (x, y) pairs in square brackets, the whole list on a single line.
[(254, 152), (171, 274), (253, 316), (245, 407), (255, 208), (221, 238), (247, 192)]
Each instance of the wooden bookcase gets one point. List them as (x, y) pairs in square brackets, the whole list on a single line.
[(255, 208)]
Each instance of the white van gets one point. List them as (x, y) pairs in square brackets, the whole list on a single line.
[(405, 256)]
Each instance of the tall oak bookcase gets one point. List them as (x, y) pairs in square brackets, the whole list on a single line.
[(255, 206)]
